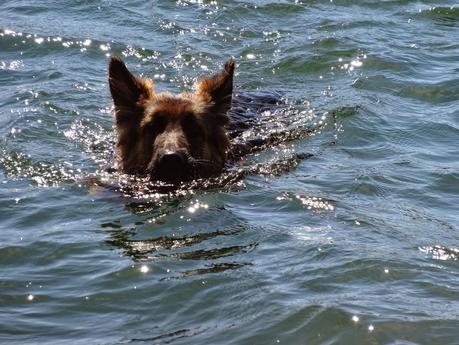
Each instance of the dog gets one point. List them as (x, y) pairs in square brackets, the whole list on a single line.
[(171, 138)]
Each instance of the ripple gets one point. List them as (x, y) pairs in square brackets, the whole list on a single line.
[(168, 337), (437, 93)]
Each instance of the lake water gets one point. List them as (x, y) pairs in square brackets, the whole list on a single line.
[(357, 243)]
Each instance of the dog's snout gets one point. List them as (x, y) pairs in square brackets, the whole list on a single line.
[(172, 166), (172, 160)]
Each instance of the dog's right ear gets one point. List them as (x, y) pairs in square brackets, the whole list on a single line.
[(127, 90), (218, 89)]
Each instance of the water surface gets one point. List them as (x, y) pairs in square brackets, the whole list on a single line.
[(346, 235)]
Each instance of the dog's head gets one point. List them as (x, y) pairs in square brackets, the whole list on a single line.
[(171, 137)]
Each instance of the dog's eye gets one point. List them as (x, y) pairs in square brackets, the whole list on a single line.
[(158, 125), (191, 127)]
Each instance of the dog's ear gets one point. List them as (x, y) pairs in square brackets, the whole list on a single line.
[(217, 90), (127, 91)]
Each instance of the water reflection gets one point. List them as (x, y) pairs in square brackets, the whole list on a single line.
[(216, 268), (167, 246), (185, 248), (168, 338)]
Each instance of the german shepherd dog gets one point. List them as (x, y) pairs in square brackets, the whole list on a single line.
[(171, 138)]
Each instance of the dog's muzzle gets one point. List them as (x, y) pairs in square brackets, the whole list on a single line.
[(172, 167)]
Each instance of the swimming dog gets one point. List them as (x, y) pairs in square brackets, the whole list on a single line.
[(171, 138)]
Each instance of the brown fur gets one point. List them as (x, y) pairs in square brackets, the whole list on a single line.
[(171, 137)]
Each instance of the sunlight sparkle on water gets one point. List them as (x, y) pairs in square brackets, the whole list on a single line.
[(195, 206), (315, 203), (104, 47), (144, 269), (440, 252)]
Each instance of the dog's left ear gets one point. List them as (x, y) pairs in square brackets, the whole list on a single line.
[(218, 89)]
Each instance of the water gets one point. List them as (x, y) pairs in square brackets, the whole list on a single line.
[(356, 244)]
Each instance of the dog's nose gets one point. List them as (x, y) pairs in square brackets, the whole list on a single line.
[(172, 160), (172, 166)]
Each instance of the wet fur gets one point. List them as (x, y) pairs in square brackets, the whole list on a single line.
[(189, 127)]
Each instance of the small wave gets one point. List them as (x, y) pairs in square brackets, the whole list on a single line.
[(445, 16), (434, 93)]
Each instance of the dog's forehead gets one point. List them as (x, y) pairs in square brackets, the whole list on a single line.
[(170, 106)]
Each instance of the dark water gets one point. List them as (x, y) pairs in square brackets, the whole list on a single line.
[(358, 244)]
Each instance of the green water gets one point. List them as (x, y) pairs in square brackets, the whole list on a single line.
[(346, 235)]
